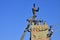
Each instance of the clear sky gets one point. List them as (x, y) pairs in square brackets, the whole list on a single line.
[(13, 15)]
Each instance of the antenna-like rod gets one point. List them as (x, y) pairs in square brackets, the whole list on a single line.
[(34, 10)]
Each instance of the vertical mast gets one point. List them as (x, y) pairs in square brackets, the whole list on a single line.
[(34, 10)]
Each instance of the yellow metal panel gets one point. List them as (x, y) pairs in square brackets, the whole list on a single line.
[(39, 32)]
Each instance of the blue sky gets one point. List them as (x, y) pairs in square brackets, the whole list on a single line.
[(13, 15)]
